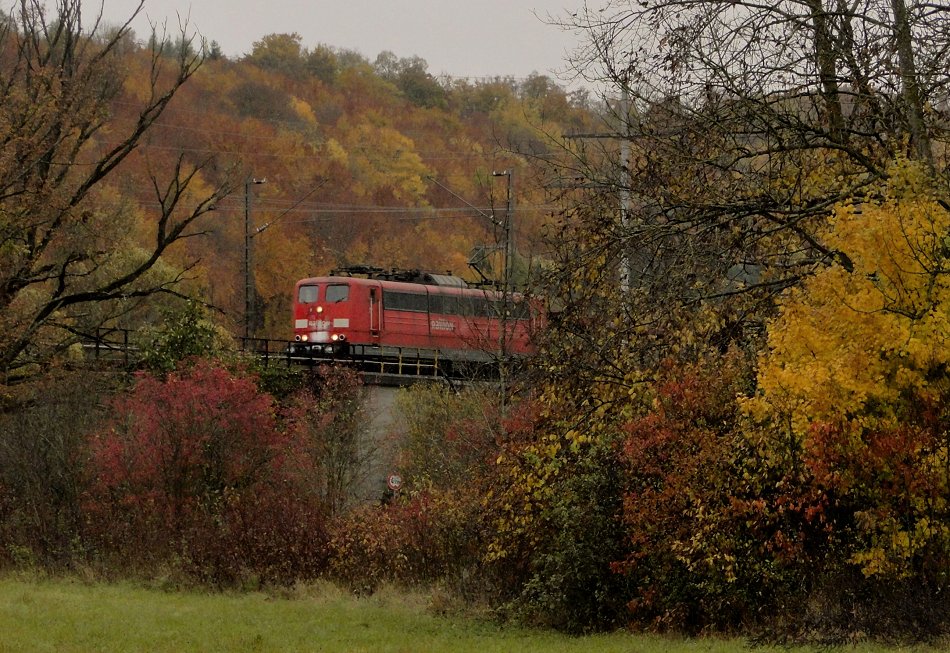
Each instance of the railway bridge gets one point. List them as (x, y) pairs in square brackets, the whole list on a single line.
[(383, 374), (384, 367)]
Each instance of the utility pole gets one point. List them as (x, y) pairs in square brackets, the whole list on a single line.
[(627, 273), (507, 288), (251, 232), (249, 317), (507, 275), (626, 264), (508, 245)]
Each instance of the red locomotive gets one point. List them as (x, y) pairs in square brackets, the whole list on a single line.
[(373, 313)]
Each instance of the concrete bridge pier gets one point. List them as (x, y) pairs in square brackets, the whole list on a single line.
[(383, 436)]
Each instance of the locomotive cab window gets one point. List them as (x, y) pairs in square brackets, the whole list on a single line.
[(307, 294), (337, 293)]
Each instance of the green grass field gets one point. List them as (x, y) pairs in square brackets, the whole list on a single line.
[(69, 615)]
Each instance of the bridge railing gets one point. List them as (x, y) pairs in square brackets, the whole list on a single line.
[(110, 344), (401, 361), (117, 345)]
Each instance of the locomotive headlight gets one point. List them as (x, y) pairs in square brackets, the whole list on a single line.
[(305, 337), (335, 337), (319, 309)]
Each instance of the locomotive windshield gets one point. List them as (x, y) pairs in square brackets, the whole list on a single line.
[(307, 294), (337, 293)]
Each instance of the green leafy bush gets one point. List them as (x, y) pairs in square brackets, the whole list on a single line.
[(184, 332), (449, 436)]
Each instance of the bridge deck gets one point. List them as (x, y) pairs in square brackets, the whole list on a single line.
[(389, 366)]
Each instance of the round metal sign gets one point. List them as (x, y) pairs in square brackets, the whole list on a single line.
[(394, 482)]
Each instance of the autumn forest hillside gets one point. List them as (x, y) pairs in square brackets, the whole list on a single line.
[(366, 162)]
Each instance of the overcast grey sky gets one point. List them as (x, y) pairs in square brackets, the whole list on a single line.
[(478, 38)]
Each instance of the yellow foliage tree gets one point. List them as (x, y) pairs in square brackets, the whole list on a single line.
[(853, 387), (856, 336), (384, 161)]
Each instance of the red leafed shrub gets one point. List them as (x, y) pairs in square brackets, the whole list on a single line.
[(194, 471), (691, 563), (898, 470), (873, 502)]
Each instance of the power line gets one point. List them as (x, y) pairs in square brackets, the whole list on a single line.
[(351, 209)]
